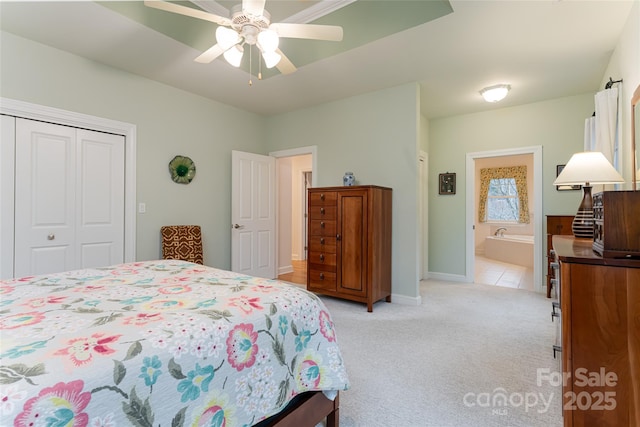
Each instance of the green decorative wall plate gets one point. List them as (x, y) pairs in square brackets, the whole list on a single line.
[(182, 169)]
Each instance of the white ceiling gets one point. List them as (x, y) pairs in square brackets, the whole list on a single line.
[(544, 49)]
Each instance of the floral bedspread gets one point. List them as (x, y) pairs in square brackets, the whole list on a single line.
[(160, 343)]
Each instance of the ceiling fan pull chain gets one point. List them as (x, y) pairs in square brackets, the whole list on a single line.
[(250, 64)]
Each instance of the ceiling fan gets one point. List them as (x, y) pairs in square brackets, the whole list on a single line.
[(251, 24)]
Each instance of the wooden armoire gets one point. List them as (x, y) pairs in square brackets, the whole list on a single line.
[(349, 242)]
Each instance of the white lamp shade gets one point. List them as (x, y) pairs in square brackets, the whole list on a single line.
[(588, 167), (271, 59), (268, 40), (226, 37), (495, 93), (234, 55)]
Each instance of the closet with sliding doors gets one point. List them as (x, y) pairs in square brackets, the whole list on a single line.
[(63, 191)]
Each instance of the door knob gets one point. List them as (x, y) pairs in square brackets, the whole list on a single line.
[(236, 226), (51, 236)]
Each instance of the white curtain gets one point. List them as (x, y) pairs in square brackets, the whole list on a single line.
[(606, 126), (590, 134)]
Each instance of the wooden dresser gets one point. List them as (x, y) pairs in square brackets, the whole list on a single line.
[(556, 224), (600, 335), (349, 243)]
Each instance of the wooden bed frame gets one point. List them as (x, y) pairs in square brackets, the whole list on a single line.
[(309, 409)]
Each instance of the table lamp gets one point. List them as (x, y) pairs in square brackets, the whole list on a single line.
[(586, 168)]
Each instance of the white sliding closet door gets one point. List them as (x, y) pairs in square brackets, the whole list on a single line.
[(69, 198)]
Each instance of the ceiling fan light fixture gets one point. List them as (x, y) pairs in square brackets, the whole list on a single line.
[(495, 93), (271, 59), (234, 55), (226, 37), (268, 40)]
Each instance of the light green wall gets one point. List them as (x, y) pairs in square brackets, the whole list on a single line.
[(169, 122), (556, 125), (375, 136)]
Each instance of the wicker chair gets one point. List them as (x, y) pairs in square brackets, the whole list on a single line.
[(183, 242)]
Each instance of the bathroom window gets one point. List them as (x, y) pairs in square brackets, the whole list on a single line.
[(502, 201), (503, 195)]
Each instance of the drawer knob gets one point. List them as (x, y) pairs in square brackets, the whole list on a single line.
[(321, 196), (322, 211), (322, 224), (338, 237), (321, 276), (321, 257), (322, 240)]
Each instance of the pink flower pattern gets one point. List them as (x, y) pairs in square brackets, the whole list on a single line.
[(62, 404), (82, 350), (241, 346)]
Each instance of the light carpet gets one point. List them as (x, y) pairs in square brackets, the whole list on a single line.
[(470, 355)]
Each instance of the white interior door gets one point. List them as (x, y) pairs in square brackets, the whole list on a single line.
[(253, 232), (69, 198), (100, 199), (45, 198)]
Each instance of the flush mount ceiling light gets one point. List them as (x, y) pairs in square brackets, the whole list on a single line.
[(495, 93), (250, 24)]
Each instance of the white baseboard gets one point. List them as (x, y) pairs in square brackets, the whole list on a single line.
[(405, 300), (448, 277), (284, 270)]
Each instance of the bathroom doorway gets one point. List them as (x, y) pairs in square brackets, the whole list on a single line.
[(505, 252)]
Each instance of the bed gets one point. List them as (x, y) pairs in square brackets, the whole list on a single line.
[(165, 343)]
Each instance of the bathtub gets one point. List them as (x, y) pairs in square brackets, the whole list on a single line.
[(512, 248)]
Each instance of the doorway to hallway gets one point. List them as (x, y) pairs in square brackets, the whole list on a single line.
[(294, 176)]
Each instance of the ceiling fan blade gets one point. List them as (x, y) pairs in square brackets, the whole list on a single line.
[(308, 31), (187, 11), (254, 7), (285, 66), (210, 54)]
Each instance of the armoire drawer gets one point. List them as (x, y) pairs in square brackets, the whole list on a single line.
[(323, 212), (322, 258), (325, 244), (325, 280), (320, 227), (323, 197)]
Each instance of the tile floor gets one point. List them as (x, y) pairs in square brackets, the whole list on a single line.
[(491, 272)]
